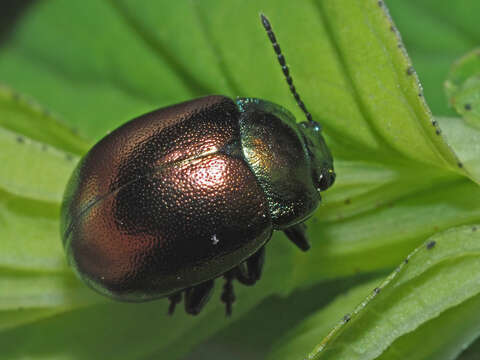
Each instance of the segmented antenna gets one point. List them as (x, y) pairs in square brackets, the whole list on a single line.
[(283, 64)]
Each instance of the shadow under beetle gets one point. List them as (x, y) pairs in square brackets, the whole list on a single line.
[(185, 194)]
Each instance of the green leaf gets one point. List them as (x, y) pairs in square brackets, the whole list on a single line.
[(463, 87), (32, 169), (436, 33), (98, 64), (23, 116), (238, 340), (465, 140), (443, 337), (306, 335), (472, 352), (402, 314), (348, 80), (37, 224), (378, 237)]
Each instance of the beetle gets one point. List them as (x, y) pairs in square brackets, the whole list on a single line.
[(173, 199)]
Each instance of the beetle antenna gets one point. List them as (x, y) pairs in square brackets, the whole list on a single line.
[(283, 64)]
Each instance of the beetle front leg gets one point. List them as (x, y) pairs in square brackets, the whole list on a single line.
[(250, 271), (228, 296), (174, 300), (296, 234), (197, 296)]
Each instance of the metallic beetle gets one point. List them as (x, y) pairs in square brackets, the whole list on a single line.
[(185, 194)]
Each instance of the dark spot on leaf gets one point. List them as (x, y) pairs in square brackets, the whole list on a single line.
[(431, 245), (460, 165), (434, 122), (405, 261), (20, 139), (438, 132), (410, 70), (392, 28), (468, 107), (474, 229), (348, 201), (346, 318), (420, 94), (376, 290), (380, 3)]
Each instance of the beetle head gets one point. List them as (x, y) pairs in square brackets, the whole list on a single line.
[(320, 155)]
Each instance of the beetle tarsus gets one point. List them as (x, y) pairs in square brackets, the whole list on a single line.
[(197, 296), (250, 271), (228, 296), (174, 300), (297, 235)]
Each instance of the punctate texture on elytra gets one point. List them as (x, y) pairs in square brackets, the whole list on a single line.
[(185, 194), (180, 196)]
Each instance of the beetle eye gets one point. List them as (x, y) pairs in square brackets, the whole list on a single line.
[(326, 179)]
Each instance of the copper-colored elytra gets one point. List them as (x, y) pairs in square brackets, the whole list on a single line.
[(178, 197)]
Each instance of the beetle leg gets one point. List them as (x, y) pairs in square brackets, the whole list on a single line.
[(296, 234), (174, 300), (249, 272), (228, 296), (197, 296)]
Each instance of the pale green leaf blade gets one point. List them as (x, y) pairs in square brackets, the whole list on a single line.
[(442, 338), (29, 234), (424, 286), (305, 336), (379, 238), (26, 118), (463, 87), (32, 169), (465, 140), (23, 290), (378, 104), (436, 33)]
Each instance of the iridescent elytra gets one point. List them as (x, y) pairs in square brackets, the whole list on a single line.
[(173, 199)]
